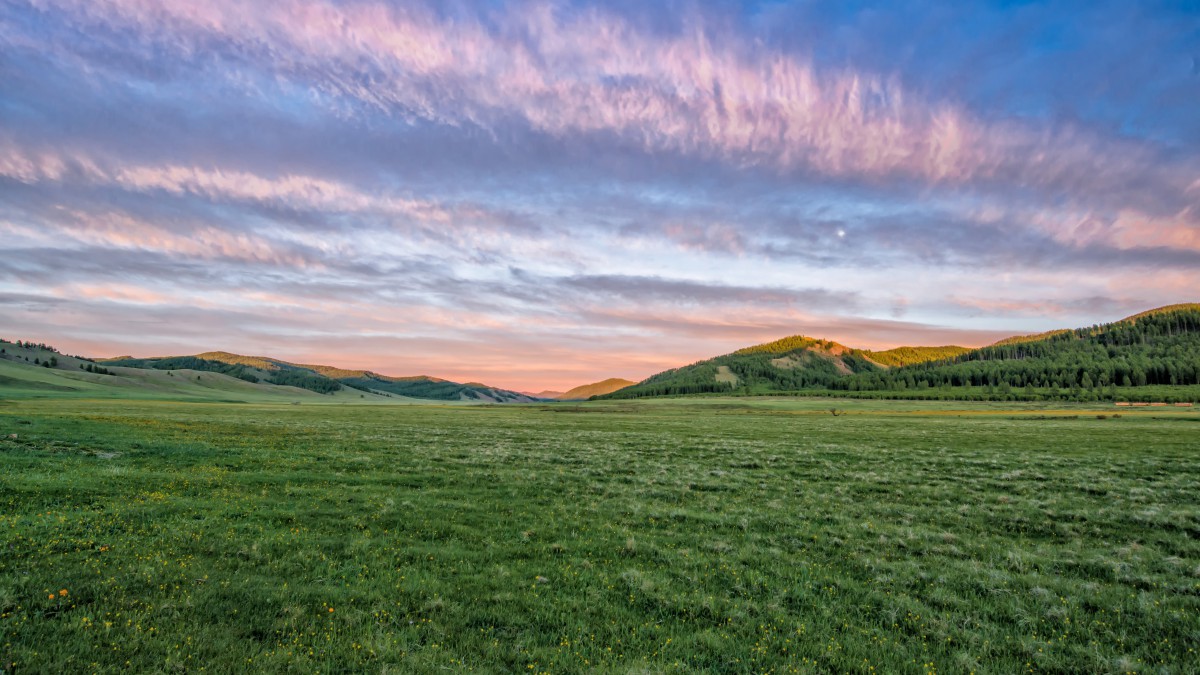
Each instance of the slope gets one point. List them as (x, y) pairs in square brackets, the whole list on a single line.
[(586, 391), (1158, 347), (69, 378), (327, 379), (422, 386), (796, 362), (249, 369), (907, 356)]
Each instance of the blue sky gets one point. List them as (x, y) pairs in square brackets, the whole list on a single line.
[(542, 194)]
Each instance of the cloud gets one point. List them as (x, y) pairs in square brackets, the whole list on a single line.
[(640, 289), (572, 189), (700, 91), (1093, 306)]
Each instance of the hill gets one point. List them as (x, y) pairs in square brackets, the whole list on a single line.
[(1159, 347), (792, 363), (586, 391), (250, 369), (422, 386), (327, 379), (38, 371)]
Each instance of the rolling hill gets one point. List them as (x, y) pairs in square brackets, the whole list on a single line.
[(1158, 347), (39, 370), (327, 379), (796, 362)]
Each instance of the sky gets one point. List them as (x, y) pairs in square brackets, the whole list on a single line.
[(540, 194)]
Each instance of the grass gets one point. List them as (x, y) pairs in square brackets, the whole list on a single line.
[(710, 535)]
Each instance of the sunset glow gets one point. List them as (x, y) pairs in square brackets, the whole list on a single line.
[(538, 195)]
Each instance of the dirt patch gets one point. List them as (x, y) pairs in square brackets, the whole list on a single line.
[(724, 374), (837, 362), (788, 362)]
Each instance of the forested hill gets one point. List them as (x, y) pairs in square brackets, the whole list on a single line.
[(792, 363), (326, 379), (1159, 347), (250, 369)]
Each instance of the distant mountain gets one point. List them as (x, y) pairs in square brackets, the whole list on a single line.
[(547, 394), (327, 379), (1158, 347), (586, 391)]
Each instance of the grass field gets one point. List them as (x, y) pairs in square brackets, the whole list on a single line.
[(713, 535)]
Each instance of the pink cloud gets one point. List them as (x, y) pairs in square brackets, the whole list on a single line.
[(116, 229), (699, 92)]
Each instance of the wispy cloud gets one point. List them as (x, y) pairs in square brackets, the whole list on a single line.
[(593, 183), (698, 90)]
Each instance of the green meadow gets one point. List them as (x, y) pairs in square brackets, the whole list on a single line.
[(774, 535)]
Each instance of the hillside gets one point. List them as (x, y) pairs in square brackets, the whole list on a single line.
[(39, 371), (792, 363), (1160, 347), (907, 356), (586, 391), (1156, 348), (250, 369), (328, 379), (422, 386)]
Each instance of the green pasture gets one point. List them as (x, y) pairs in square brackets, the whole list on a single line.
[(682, 535)]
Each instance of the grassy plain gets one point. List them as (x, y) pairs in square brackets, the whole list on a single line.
[(703, 535)]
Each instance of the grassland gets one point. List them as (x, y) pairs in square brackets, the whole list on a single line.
[(712, 535)]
